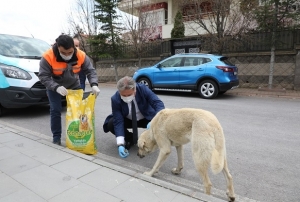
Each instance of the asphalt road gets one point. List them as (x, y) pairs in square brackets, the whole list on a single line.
[(262, 139)]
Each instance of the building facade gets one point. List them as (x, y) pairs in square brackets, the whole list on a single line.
[(163, 12)]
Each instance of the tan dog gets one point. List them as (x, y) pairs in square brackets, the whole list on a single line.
[(83, 125), (176, 127)]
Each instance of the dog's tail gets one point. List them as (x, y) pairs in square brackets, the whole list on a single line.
[(219, 152)]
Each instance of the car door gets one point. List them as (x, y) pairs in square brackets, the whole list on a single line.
[(193, 68), (166, 74)]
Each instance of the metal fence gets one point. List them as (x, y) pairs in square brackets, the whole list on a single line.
[(254, 42), (252, 58)]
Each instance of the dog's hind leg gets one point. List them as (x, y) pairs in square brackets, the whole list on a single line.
[(202, 151), (228, 177), (162, 156), (177, 171), (202, 168)]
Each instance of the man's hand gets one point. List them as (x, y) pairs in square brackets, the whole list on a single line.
[(62, 91), (123, 152), (95, 90)]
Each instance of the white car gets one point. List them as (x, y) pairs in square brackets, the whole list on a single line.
[(19, 63)]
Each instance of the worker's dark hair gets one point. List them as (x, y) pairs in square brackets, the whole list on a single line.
[(65, 41)]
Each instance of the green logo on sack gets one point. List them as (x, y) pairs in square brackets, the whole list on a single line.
[(74, 126), (78, 138)]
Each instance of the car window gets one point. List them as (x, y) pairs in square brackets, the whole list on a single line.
[(188, 62), (195, 61), (173, 62), (226, 61), (17, 46)]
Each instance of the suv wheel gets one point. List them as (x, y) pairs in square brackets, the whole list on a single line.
[(145, 81), (1, 110), (208, 89)]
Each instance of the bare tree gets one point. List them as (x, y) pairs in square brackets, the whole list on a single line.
[(219, 20), (142, 28), (275, 15), (83, 25)]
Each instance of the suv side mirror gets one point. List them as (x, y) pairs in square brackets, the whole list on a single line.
[(159, 65)]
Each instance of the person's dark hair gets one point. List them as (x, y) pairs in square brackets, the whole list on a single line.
[(65, 41)]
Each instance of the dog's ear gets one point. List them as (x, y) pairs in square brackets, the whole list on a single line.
[(141, 143)]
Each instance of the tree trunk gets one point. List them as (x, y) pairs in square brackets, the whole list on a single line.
[(116, 70), (273, 42), (272, 61)]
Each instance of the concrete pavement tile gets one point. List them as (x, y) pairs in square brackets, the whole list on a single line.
[(30, 136), (8, 185), (206, 197), (2, 145), (17, 164), (50, 144), (45, 181), (2, 130), (163, 183), (184, 198), (47, 155), (83, 192), (22, 195), (9, 136), (23, 144), (134, 190), (76, 167), (6, 152), (115, 167), (11, 129), (81, 155), (104, 179)]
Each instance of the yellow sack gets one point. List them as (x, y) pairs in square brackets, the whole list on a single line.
[(80, 122)]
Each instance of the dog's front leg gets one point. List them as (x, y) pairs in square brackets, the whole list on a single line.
[(177, 171), (160, 160)]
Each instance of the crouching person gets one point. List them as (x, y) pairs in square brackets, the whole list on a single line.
[(133, 106)]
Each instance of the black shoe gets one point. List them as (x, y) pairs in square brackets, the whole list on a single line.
[(58, 142), (128, 140), (128, 145)]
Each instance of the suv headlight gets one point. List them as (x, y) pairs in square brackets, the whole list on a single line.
[(14, 72)]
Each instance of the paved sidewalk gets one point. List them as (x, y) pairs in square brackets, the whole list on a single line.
[(292, 94), (32, 169)]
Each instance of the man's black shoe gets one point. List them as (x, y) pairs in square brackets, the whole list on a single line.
[(58, 142), (128, 145), (128, 140)]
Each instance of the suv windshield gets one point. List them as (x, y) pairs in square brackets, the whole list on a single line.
[(23, 47)]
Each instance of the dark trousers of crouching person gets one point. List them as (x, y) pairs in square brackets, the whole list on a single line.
[(127, 125)]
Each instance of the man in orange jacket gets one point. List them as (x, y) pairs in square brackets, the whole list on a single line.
[(59, 68)]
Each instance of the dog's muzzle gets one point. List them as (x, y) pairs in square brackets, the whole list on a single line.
[(140, 155)]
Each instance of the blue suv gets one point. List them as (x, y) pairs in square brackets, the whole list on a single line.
[(207, 74)]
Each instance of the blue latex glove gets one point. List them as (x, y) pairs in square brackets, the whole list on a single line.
[(148, 125), (123, 152)]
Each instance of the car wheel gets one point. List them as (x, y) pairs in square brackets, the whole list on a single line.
[(1, 110), (208, 89), (146, 82)]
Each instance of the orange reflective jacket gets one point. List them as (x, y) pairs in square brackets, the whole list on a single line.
[(59, 67)]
